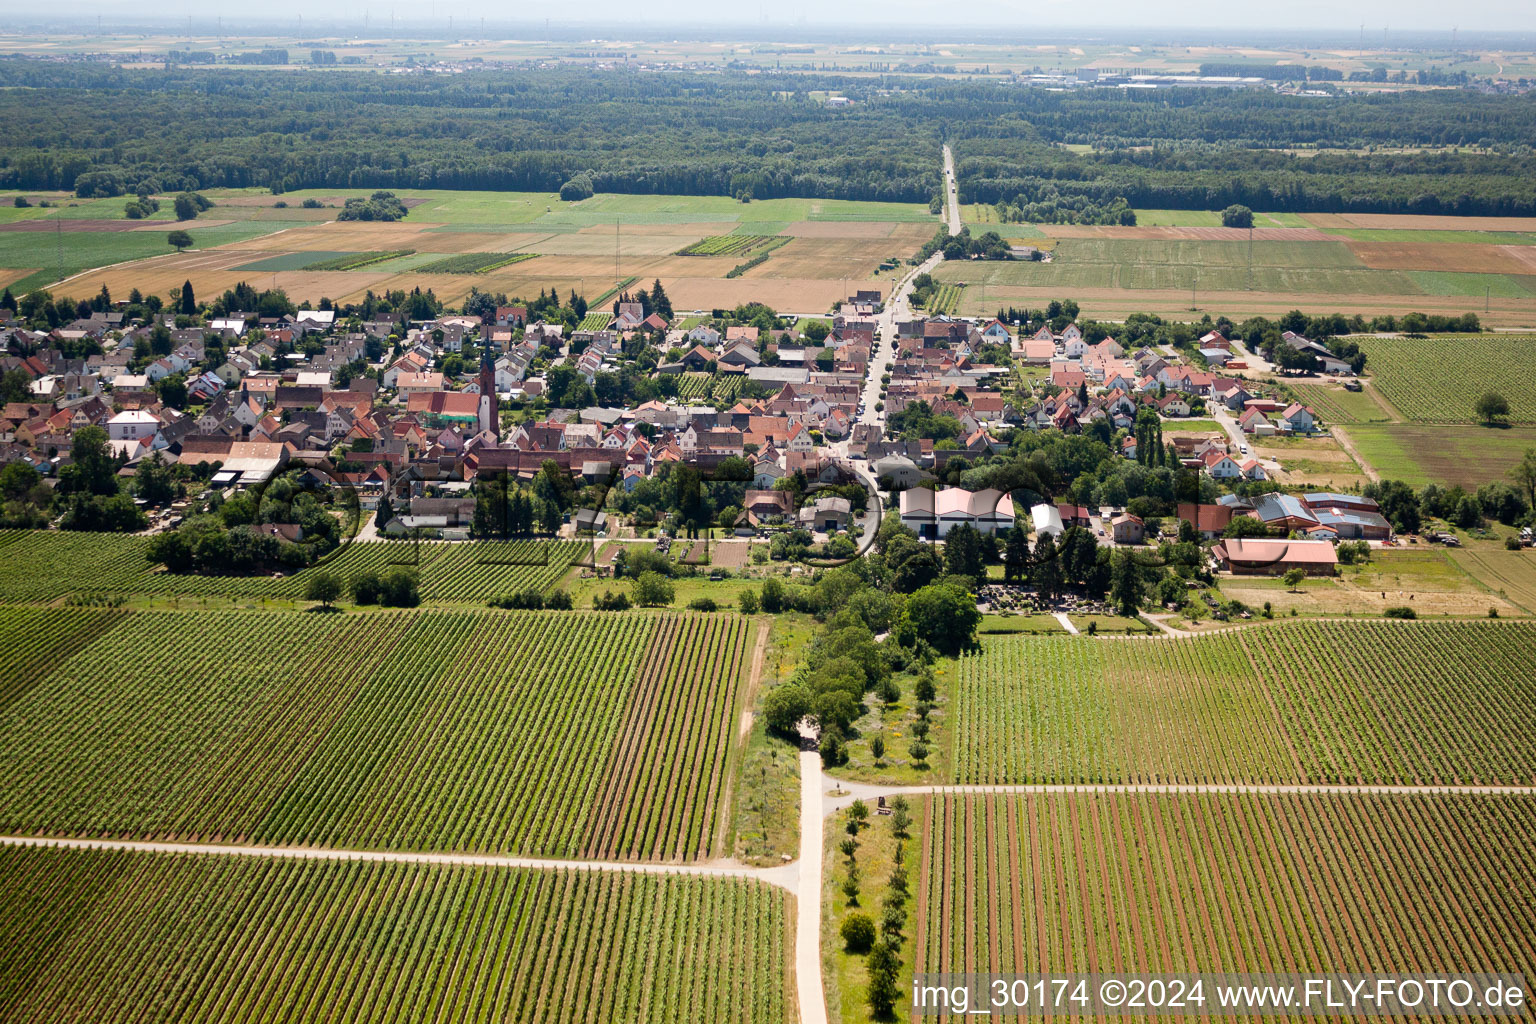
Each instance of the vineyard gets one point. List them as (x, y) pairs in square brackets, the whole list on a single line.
[(357, 260), (1437, 380), (946, 299), (107, 935), (733, 245), (1372, 702), (552, 734), (44, 566), (1141, 883), (705, 387), (475, 262), (595, 321)]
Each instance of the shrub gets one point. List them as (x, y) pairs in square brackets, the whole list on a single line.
[(559, 601), (1400, 612), (366, 588), (703, 604), (523, 600), (858, 933), (608, 601), (398, 589), (748, 602), (1511, 543)]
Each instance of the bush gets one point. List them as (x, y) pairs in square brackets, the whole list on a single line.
[(398, 589), (1511, 543), (559, 601), (366, 588), (858, 933), (748, 601), (608, 601), (530, 599), (703, 604), (311, 204), (833, 750), (1400, 612)]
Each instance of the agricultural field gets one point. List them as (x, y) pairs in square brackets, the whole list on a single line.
[(216, 939), (1420, 453), (475, 262), (487, 240), (1115, 271), (552, 734), (1335, 405), (1512, 574), (1315, 462), (946, 299), (1421, 577), (1309, 701), (1437, 379), (595, 321), (1134, 883), (733, 245), (47, 565)]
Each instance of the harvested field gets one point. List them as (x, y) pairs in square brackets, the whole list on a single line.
[(1510, 573), (1426, 580), (844, 229), (1171, 233), (1370, 701), (1476, 259), (351, 236), (1425, 223), (215, 939), (1144, 884), (801, 295)]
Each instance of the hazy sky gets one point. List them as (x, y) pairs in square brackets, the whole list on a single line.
[(617, 18)]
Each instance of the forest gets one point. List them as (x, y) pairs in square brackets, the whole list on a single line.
[(102, 131)]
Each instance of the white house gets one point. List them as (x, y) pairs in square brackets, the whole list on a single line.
[(932, 514)]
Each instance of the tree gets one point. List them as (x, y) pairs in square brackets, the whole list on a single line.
[(858, 933), (1292, 578), (1245, 526), (324, 587), (1524, 474), (180, 239), (784, 706), (152, 481), (883, 967), (188, 304), (186, 207), (93, 470), (1237, 216), (1125, 584), (1046, 574), (1491, 407), (748, 600), (653, 590), (945, 616)]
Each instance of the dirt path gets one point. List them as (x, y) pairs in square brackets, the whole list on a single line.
[(755, 675), (1066, 623), (1348, 445), (869, 792), (783, 876)]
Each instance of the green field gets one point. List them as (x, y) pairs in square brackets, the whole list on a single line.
[(735, 244), (1418, 454), (1303, 269), (1437, 379), (54, 256), (1510, 573), (1156, 883), (557, 734), (474, 262), (1212, 219), (108, 935), (44, 566), (1335, 405), (1311, 701)]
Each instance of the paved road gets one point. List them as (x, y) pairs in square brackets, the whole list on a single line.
[(813, 999), (951, 192)]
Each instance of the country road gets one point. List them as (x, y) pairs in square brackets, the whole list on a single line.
[(951, 192)]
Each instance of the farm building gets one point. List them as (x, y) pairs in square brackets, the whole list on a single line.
[(1248, 557), (932, 514), (1046, 520)]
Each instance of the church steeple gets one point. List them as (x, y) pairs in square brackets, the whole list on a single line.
[(490, 417)]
